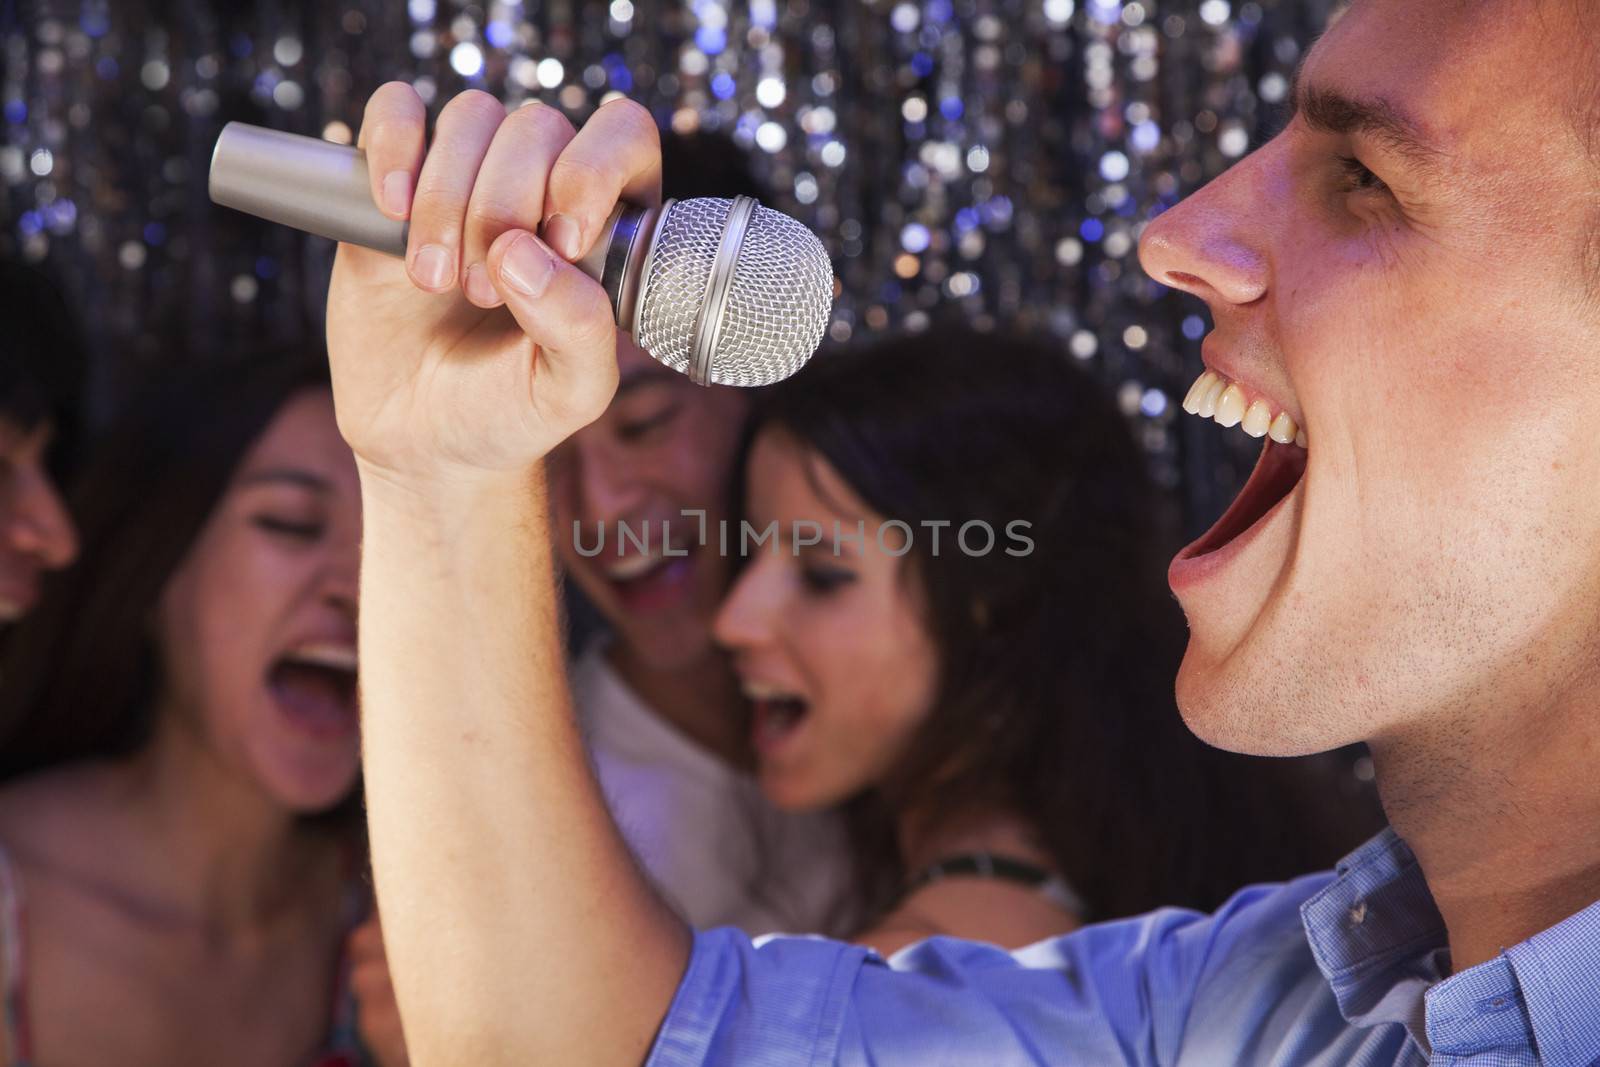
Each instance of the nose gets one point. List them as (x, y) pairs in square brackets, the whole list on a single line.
[(341, 577), (744, 620), (1211, 243), (39, 525)]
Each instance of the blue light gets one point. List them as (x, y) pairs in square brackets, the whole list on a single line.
[(966, 219), (622, 79), (30, 223), (1146, 136), (952, 108), (1106, 11), (711, 39), (266, 268), (1194, 327), (1092, 230), (106, 68), (922, 64), (937, 11), (154, 233), (914, 238), (241, 46), (95, 23), (1153, 403), (723, 85), (16, 111), (996, 212), (63, 213), (500, 34)]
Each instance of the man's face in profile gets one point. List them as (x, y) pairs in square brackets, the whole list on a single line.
[(1409, 271)]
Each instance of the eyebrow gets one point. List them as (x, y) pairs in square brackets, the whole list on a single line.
[(643, 376), (1330, 111), (289, 476)]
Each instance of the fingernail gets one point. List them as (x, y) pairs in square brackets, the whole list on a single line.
[(480, 290), (433, 266), (397, 192), (527, 266), (562, 233)]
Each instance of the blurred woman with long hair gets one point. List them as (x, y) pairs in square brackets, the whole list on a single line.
[(180, 848), (960, 634)]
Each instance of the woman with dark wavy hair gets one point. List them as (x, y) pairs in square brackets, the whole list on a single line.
[(181, 857), (959, 633)]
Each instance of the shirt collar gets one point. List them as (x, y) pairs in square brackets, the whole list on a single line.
[(1381, 944)]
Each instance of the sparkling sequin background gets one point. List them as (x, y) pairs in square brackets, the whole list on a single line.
[(988, 158)]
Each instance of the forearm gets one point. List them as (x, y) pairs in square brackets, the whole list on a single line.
[(519, 928)]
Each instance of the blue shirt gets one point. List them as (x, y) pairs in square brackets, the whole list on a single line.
[(1335, 969)]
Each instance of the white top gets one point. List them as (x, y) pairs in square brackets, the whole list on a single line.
[(715, 848)]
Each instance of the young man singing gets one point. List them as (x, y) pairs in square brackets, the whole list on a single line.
[(1404, 282)]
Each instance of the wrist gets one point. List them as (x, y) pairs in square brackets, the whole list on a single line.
[(448, 512)]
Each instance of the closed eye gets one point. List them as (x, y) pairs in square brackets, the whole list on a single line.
[(634, 431), (824, 580), (289, 528)]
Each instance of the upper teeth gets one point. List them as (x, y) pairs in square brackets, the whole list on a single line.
[(764, 691), (1215, 397), (635, 565), (334, 656)]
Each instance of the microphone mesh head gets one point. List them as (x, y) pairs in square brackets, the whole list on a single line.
[(778, 304)]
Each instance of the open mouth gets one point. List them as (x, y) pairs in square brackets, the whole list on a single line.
[(316, 688), (1277, 472), (652, 579), (775, 715)]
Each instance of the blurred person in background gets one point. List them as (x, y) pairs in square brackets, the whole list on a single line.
[(42, 366), (960, 633), (181, 856), (659, 706)]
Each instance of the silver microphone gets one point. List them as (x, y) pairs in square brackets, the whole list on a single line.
[(725, 291)]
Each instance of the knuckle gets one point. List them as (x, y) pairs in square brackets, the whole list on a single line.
[(577, 178), (541, 121), (490, 213), (592, 326), (632, 116), (471, 108)]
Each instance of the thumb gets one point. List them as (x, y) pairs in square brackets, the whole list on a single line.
[(568, 316)]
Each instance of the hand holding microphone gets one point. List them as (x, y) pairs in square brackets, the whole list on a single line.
[(728, 292), (431, 377)]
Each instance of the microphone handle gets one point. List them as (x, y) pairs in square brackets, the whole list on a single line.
[(322, 188)]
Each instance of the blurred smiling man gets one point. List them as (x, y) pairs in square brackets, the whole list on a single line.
[(1406, 293)]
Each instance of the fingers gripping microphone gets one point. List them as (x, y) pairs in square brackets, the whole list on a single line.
[(725, 291)]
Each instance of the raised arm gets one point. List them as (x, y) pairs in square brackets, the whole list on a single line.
[(517, 926)]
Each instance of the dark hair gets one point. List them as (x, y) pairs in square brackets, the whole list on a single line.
[(82, 671), (1056, 667), (706, 164), (42, 357)]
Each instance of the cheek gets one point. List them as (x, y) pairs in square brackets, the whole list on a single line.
[(876, 674), (217, 623)]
